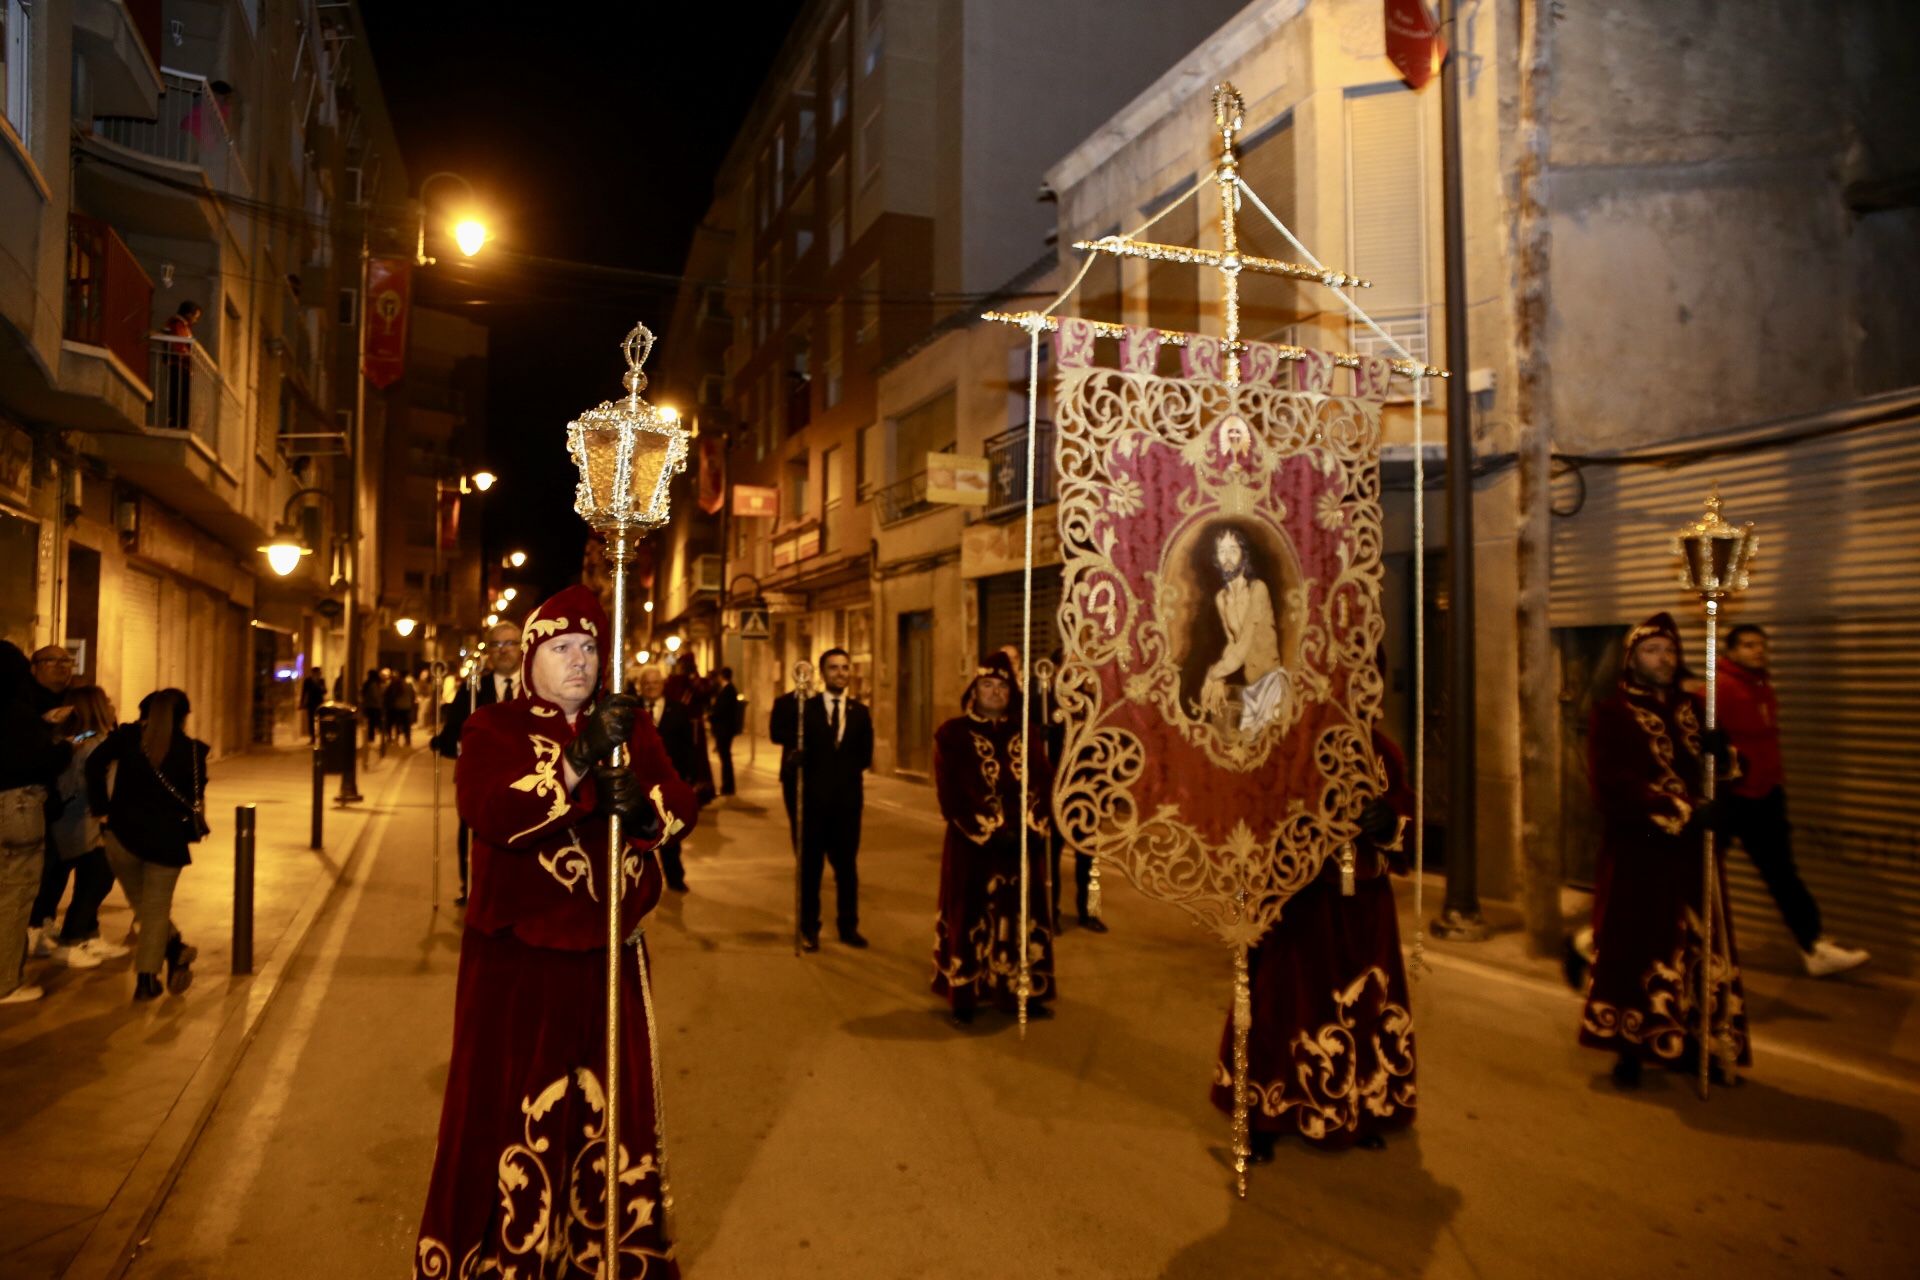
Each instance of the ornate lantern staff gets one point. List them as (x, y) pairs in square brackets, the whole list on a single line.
[(628, 453), (802, 691), (1714, 556)]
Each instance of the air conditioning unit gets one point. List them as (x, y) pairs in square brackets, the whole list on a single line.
[(706, 573)]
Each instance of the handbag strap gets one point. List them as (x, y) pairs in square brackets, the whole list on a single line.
[(194, 805)]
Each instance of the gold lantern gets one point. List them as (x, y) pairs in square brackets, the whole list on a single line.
[(1714, 558), (628, 452)]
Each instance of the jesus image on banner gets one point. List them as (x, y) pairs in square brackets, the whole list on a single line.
[(1246, 667)]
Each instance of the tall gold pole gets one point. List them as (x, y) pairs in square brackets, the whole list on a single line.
[(1229, 113), (802, 691), (1708, 770), (617, 543), (434, 671), (1242, 1026)]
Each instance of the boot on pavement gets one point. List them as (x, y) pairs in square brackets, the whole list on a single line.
[(146, 986), (1825, 958), (180, 958)]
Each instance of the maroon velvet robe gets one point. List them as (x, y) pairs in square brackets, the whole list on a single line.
[(1330, 1053), (976, 768), (1643, 996), (519, 1175)]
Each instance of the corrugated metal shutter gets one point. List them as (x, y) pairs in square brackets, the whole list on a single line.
[(139, 639), (1001, 607), (1835, 584)]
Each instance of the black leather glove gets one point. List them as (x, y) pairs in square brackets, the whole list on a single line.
[(1708, 816), (1378, 821), (1714, 743), (619, 791), (608, 725)]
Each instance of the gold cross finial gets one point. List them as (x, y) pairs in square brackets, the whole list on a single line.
[(1229, 113)]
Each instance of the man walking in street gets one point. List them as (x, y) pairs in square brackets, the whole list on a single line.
[(725, 719), (1756, 802), (831, 766), (499, 683), (313, 692), (675, 724)]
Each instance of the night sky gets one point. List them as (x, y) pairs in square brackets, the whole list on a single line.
[(592, 142)]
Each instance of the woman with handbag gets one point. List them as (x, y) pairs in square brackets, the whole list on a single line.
[(30, 760), (74, 839), (156, 810)]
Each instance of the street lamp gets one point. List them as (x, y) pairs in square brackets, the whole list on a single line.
[(509, 594), (648, 606), (285, 551), (493, 620), (469, 233), (404, 626), (673, 644), (514, 560), (484, 480)]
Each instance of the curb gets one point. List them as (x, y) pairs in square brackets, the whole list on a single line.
[(114, 1242)]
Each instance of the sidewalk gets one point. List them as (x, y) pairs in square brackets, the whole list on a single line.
[(101, 1099)]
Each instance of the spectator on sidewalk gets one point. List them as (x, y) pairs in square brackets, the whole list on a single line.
[(693, 693), (1756, 801), (978, 759), (52, 676), (313, 693), (154, 813), (399, 703), (675, 726), (498, 683), (536, 783), (372, 704), (831, 765), (30, 762), (726, 718), (74, 834)]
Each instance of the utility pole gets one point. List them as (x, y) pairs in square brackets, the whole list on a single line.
[(1460, 917)]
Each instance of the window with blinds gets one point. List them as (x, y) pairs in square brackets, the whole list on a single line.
[(1270, 305), (1385, 198)]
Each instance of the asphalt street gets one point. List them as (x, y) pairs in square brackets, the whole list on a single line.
[(823, 1118)]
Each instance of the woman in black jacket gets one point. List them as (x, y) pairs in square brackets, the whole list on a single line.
[(30, 761), (156, 810)]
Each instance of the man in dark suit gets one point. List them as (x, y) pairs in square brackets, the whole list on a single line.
[(675, 724), (313, 692), (499, 682), (725, 719), (837, 753)]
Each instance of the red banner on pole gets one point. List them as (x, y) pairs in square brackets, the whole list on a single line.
[(449, 531), (389, 289), (713, 474), (1414, 46)]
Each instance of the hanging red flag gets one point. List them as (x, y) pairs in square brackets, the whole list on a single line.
[(1414, 46), (713, 473), (389, 285)]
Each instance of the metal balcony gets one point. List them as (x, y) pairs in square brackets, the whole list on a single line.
[(189, 395), (191, 132), (902, 500), (109, 297), (1007, 470)]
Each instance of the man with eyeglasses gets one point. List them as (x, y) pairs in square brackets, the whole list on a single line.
[(498, 683), (52, 674)]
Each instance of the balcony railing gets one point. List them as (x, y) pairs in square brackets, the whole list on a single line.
[(799, 543), (1007, 469), (190, 395), (192, 130), (902, 500), (109, 297)]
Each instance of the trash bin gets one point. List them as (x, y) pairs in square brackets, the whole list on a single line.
[(339, 734)]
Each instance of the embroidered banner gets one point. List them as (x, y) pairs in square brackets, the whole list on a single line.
[(1221, 550)]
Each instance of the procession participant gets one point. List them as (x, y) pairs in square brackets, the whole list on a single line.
[(833, 764), (1756, 802), (978, 759), (518, 1180), (1645, 747), (1330, 1053), (676, 729), (498, 683)]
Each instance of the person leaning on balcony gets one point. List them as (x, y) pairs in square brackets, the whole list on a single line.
[(154, 813), (179, 363), (30, 760), (1756, 802)]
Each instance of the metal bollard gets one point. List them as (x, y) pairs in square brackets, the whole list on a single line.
[(349, 773), (317, 840), (243, 889)]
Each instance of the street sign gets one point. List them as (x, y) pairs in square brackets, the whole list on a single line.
[(756, 500), (750, 623), (957, 478)]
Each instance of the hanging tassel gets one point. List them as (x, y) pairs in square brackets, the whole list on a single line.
[(1346, 871)]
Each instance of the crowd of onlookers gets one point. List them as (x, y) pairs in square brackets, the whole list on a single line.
[(86, 803)]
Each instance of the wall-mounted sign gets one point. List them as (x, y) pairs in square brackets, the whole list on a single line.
[(957, 478), (756, 500)]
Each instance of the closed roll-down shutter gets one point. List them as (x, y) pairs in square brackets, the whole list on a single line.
[(1837, 587), (139, 639), (1002, 608)]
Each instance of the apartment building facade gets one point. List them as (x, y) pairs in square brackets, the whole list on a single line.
[(155, 155), (885, 180)]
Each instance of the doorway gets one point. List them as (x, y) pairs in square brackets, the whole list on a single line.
[(914, 745)]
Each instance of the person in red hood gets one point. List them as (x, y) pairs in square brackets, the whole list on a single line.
[(518, 1183), (1646, 752), (1756, 803)]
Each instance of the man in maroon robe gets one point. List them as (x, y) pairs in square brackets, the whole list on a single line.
[(1646, 748), (519, 1176), (1330, 1053), (978, 759)]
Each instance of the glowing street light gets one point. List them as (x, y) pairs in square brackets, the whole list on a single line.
[(470, 235), (285, 551), (515, 559), (404, 626), (648, 606), (493, 619), (509, 594), (646, 656), (673, 644), (484, 480)]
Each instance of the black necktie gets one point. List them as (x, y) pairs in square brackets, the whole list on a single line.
[(836, 722)]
